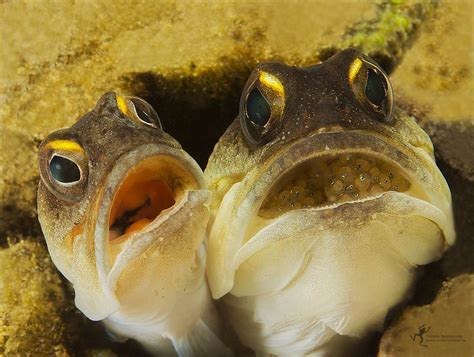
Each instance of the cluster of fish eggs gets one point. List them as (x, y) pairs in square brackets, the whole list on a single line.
[(328, 180)]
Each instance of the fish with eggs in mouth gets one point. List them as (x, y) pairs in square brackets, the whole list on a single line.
[(124, 211), (326, 197)]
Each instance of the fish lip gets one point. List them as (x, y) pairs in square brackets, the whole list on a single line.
[(319, 144), (253, 189), (104, 201)]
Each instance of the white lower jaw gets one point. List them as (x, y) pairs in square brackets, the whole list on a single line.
[(148, 233), (243, 200), (96, 294), (259, 223), (348, 214), (159, 232), (261, 232), (158, 278), (335, 270), (309, 276)]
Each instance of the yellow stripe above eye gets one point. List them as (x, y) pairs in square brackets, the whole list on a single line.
[(354, 69), (271, 81), (121, 104), (65, 145)]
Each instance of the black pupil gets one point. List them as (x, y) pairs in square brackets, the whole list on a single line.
[(375, 89), (258, 109), (64, 170), (143, 112)]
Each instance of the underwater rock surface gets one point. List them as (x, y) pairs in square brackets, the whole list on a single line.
[(32, 302), (190, 61), (442, 328)]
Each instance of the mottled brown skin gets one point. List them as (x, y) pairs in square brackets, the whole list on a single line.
[(105, 133), (319, 98), (292, 283)]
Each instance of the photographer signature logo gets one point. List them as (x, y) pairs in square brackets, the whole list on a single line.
[(422, 330), (422, 338)]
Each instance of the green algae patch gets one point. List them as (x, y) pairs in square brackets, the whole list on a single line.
[(390, 32)]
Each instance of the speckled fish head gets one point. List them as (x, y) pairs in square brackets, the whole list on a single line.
[(321, 155), (123, 209)]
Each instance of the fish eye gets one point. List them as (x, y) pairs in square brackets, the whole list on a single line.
[(63, 166), (145, 112), (258, 110), (373, 88), (261, 107), (378, 92), (63, 170)]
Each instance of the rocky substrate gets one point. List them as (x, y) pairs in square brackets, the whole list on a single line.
[(59, 57)]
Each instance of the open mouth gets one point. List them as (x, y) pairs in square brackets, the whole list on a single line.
[(334, 179), (322, 182), (148, 190)]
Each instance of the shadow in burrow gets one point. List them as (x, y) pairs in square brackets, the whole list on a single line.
[(194, 109)]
